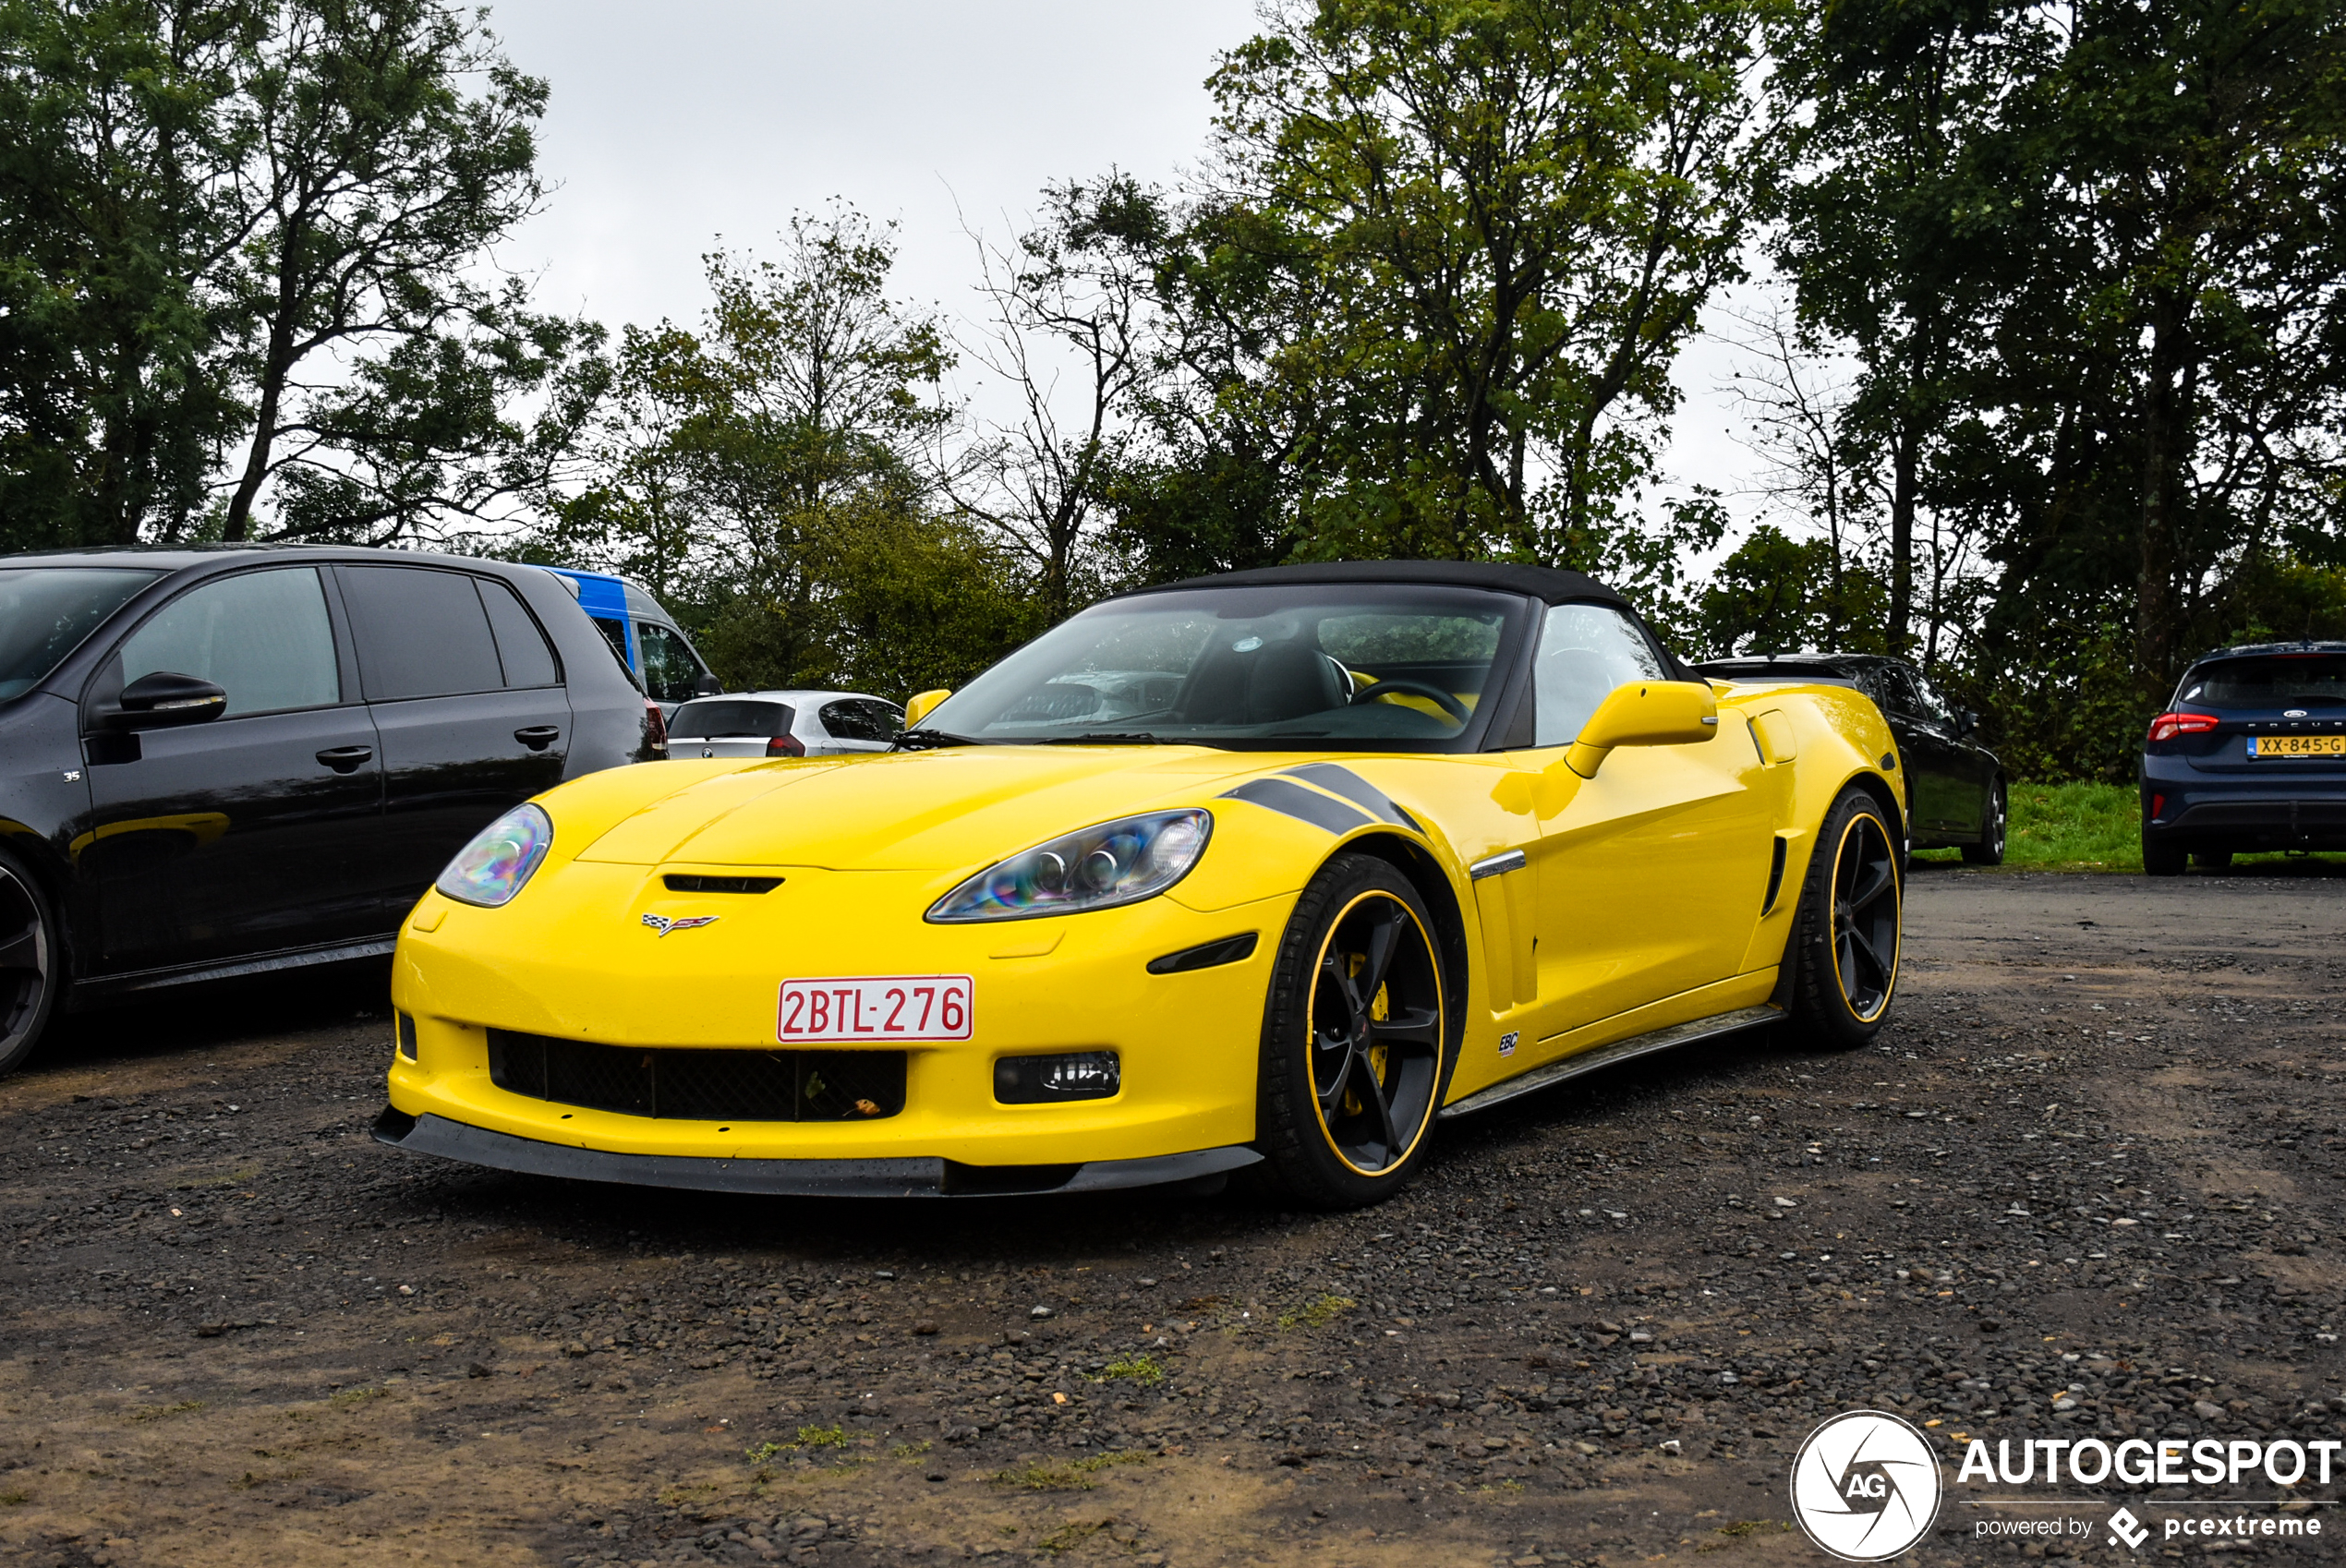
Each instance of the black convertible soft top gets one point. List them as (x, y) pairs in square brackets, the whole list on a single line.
[(1543, 583)]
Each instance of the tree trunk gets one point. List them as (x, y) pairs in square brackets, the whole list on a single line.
[(275, 368), (1905, 484), (2155, 540)]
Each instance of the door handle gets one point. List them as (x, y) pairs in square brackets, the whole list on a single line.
[(537, 737), (346, 759)]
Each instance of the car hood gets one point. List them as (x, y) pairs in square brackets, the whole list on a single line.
[(908, 811)]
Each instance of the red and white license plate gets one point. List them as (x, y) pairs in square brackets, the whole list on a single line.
[(887, 1007)]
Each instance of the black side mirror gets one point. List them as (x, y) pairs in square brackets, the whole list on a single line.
[(707, 686), (1966, 722), (166, 698)]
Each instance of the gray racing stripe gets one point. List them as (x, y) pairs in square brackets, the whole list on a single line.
[(1295, 800), (1358, 790)]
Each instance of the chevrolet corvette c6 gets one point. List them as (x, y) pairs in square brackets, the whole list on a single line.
[(1274, 870)]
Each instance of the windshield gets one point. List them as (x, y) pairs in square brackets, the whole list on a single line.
[(718, 718), (2303, 680), (1354, 666), (46, 610)]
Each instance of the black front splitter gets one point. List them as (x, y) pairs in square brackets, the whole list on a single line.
[(917, 1177)]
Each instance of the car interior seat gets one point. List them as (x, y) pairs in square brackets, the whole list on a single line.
[(1267, 683)]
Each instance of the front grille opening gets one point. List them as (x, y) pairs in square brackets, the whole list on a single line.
[(688, 882), (690, 1085)]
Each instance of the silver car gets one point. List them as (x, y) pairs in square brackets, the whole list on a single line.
[(783, 724)]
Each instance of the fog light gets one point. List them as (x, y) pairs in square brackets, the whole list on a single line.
[(1035, 1080)]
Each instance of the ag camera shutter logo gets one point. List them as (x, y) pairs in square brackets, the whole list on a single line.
[(1864, 1486)]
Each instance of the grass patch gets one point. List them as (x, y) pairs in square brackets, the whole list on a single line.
[(1756, 1528), (1316, 1314), (165, 1412), (15, 1499), (350, 1396), (808, 1438), (1143, 1369), (679, 1495), (1075, 1475), (909, 1450), (2084, 827), (2067, 827)]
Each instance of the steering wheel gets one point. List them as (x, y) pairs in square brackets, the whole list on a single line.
[(1434, 694)]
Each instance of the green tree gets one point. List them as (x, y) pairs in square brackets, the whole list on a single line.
[(767, 475), (390, 146), (1776, 594), (1509, 214), (117, 152)]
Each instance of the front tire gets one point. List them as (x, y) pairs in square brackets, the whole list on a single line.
[(1355, 1039), (30, 972), (2160, 859), (1845, 942), (1989, 851)]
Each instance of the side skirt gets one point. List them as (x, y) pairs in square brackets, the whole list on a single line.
[(1609, 1056), (107, 987)]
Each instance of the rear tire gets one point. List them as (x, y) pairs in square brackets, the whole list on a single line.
[(31, 970), (1989, 851), (2212, 859), (1356, 1047), (1843, 951), (2160, 859)]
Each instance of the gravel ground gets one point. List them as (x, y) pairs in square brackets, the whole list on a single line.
[(2087, 1184)]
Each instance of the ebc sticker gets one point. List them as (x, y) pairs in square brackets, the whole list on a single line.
[(878, 1009)]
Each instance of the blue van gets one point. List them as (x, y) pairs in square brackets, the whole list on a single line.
[(644, 636)]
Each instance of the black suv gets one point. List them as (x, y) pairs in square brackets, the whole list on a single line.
[(1955, 790), (227, 761)]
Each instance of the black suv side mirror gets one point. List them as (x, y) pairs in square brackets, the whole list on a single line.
[(166, 698), (707, 686), (1966, 721)]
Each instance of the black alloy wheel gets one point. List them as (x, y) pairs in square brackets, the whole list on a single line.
[(1989, 851), (28, 962), (1354, 1046), (1845, 946)]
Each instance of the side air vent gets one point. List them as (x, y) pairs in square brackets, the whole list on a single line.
[(1775, 876)]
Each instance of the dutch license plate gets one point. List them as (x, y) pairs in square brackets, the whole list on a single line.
[(2269, 746), (887, 1007)]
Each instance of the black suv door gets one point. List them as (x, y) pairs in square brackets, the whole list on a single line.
[(255, 831), (468, 697)]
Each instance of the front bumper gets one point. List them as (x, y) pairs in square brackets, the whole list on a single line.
[(581, 967), (1201, 1170)]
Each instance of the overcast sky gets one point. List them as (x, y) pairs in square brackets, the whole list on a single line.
[(676, 124)]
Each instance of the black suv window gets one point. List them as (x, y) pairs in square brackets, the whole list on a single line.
[(860, 718), (521, 646), (260, 636), (46, 610), (421, 632)]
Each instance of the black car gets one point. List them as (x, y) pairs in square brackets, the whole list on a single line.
[(1956, 789), (222, 762), (2250, 755)]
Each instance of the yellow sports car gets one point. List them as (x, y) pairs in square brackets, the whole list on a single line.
[(1270, 869)]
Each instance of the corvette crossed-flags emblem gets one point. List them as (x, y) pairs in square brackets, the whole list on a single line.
[(662, 924)]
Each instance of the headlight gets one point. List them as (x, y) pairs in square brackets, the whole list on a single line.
[(493, 867), (1116, 863)]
